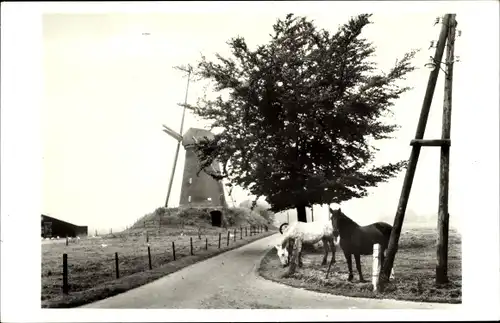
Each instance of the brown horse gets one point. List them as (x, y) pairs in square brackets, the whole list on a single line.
[(358, 240)]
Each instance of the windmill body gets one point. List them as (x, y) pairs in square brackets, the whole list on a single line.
[(201, 189), (197, 190)]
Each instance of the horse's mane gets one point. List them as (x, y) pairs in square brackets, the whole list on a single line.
[(347, 220)]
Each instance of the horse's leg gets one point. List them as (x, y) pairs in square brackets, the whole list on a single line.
[(325, 247), (291, 243), (299, 251), (332, 248), (300, 256), (357, 258), (292, 266), (332, 261), (348, 259), (296, 251)]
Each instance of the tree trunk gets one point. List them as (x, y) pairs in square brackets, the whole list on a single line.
[(301, 213)]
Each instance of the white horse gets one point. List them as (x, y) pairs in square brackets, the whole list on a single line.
[(309, 232)]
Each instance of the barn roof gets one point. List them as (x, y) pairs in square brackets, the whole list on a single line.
[(51, 218), (188, 138)]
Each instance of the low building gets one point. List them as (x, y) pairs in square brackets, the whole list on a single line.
[(52, 227)]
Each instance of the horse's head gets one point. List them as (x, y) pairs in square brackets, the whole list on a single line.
[(282, 254), (334, 218)]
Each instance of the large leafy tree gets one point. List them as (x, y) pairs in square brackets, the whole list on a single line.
[(301, 114)]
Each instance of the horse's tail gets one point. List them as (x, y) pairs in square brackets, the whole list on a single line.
[(281, 227)]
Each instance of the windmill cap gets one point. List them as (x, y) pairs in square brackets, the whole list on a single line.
[(195, 134)]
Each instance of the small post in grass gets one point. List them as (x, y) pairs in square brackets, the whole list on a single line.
[(173, 249), (376, 266), (206, 243), (117, 269), (234, 237), (191, 243), (219, 239), (228, 233), (147, 236), (65, 286), (149, 258), (67, 240)]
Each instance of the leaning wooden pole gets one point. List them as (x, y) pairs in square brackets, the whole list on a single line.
[(412, 162), (178, 142), (444, 172)]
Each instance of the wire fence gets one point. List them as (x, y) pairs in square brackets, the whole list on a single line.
[(93, 269)]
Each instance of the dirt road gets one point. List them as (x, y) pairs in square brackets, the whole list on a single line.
[(230, 280)]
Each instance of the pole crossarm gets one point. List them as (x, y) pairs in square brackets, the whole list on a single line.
[(431, 142), (172, 133)]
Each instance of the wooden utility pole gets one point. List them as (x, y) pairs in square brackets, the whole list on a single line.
[(415, 153), (444, 172), (178, 137)]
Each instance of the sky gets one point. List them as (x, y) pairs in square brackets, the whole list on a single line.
[(107, 90)]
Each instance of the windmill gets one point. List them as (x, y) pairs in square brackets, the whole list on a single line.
[(198, 189)]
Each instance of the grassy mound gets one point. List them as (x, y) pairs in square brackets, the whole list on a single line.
[(198, 217)]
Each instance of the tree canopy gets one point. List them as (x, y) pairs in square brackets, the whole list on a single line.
[(301, 114)]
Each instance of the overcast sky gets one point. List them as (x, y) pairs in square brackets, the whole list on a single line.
[(108, 90)]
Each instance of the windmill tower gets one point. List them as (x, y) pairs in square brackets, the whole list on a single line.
[(197, 190)]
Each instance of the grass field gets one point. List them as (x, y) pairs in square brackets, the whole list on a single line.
[(91, 261), (414, 268)]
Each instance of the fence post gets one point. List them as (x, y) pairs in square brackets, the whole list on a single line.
[(116, 266), (219, 239), (191, 242), (228, 233), (376, 265), (149, 258), (206, 243), (246, 232), (234, 235), (173, 249), (65, 286), (67, 240), (147, 236)]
